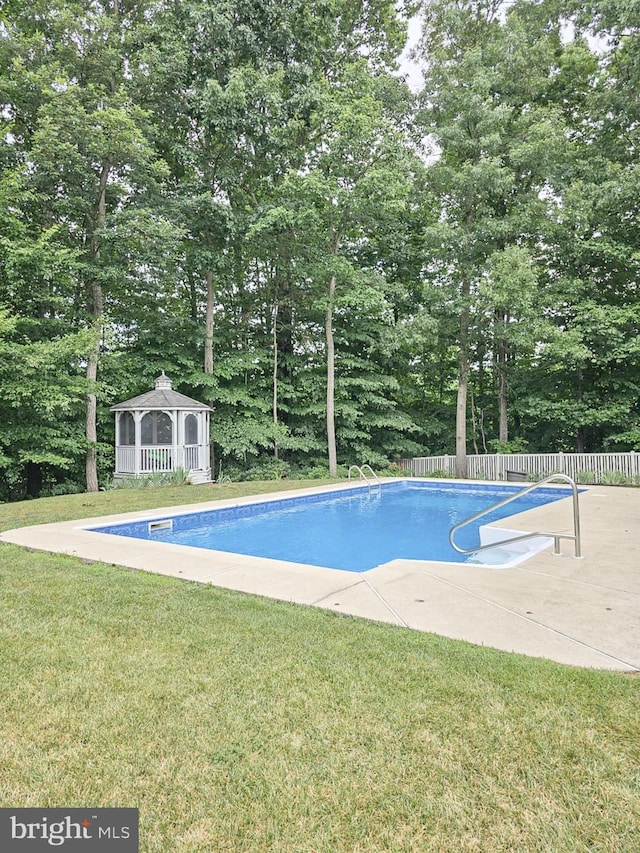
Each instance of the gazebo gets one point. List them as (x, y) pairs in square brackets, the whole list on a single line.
[(164, 431)]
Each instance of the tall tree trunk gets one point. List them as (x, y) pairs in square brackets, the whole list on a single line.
[(208, 353), (275, 375), (463, 384), (331, 367), (331, 382), (208, 335), (581, 437), (474, 432), (96, 309), (91, 466), (501, 375), (284, 347)]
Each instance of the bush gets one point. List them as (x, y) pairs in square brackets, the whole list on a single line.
[(392, 470), (179, 477), (68, 488), (128, 483), (516, 445), (615, 478), (317, 472), (274, 469)]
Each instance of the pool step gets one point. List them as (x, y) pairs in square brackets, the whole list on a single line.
[(507, 556)]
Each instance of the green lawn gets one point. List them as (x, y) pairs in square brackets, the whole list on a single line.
[(237, 723)]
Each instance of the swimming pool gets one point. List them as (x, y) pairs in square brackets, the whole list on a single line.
[(354, 529)]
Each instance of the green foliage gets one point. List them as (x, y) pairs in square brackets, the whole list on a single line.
[(318, 472), (517, 445), (178, 477), (271, 469), (42, 394), (205, 185), (615, 478)]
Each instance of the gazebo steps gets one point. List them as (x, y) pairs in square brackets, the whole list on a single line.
[(198, 478)]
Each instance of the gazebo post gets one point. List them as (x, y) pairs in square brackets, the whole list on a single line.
[(137, 417)]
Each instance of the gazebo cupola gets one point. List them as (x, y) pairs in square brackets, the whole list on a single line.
[(162, 430)]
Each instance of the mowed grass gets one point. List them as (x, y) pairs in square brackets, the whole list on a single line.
[(69, 507), (235, 723)]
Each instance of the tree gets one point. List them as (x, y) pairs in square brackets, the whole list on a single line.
[(508, 291), (81, 140), (354, 182), (587, 387), (492, 129), (41, 399)]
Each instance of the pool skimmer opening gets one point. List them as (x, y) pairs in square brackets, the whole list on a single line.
[(166, 524)]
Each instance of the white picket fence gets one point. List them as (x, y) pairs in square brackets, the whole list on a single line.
[(495, 466)]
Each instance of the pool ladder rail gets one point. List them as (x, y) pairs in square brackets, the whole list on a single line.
[(556, 536), (363, 476)]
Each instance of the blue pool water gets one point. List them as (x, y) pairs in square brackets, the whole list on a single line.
[(355, 530)]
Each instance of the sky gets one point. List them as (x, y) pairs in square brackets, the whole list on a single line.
[(407, 66)]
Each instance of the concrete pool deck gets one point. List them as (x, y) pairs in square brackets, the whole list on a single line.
[(584, 612)]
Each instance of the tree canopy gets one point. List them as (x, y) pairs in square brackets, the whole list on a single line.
[(248, 196)]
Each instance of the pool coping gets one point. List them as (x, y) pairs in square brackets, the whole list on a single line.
[(580, 612)]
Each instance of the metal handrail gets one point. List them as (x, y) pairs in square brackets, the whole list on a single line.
[(556, 536), (362, 475), (373, 473)]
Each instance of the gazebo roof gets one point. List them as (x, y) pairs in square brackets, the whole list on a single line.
[(162, 397)]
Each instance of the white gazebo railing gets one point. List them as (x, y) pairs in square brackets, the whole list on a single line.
[(149, 459)]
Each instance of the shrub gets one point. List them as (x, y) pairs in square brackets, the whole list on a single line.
[(516, 445), (66, 488), (317, 472), (615, 478), (128, 483), (179, 477), (272, 469)]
